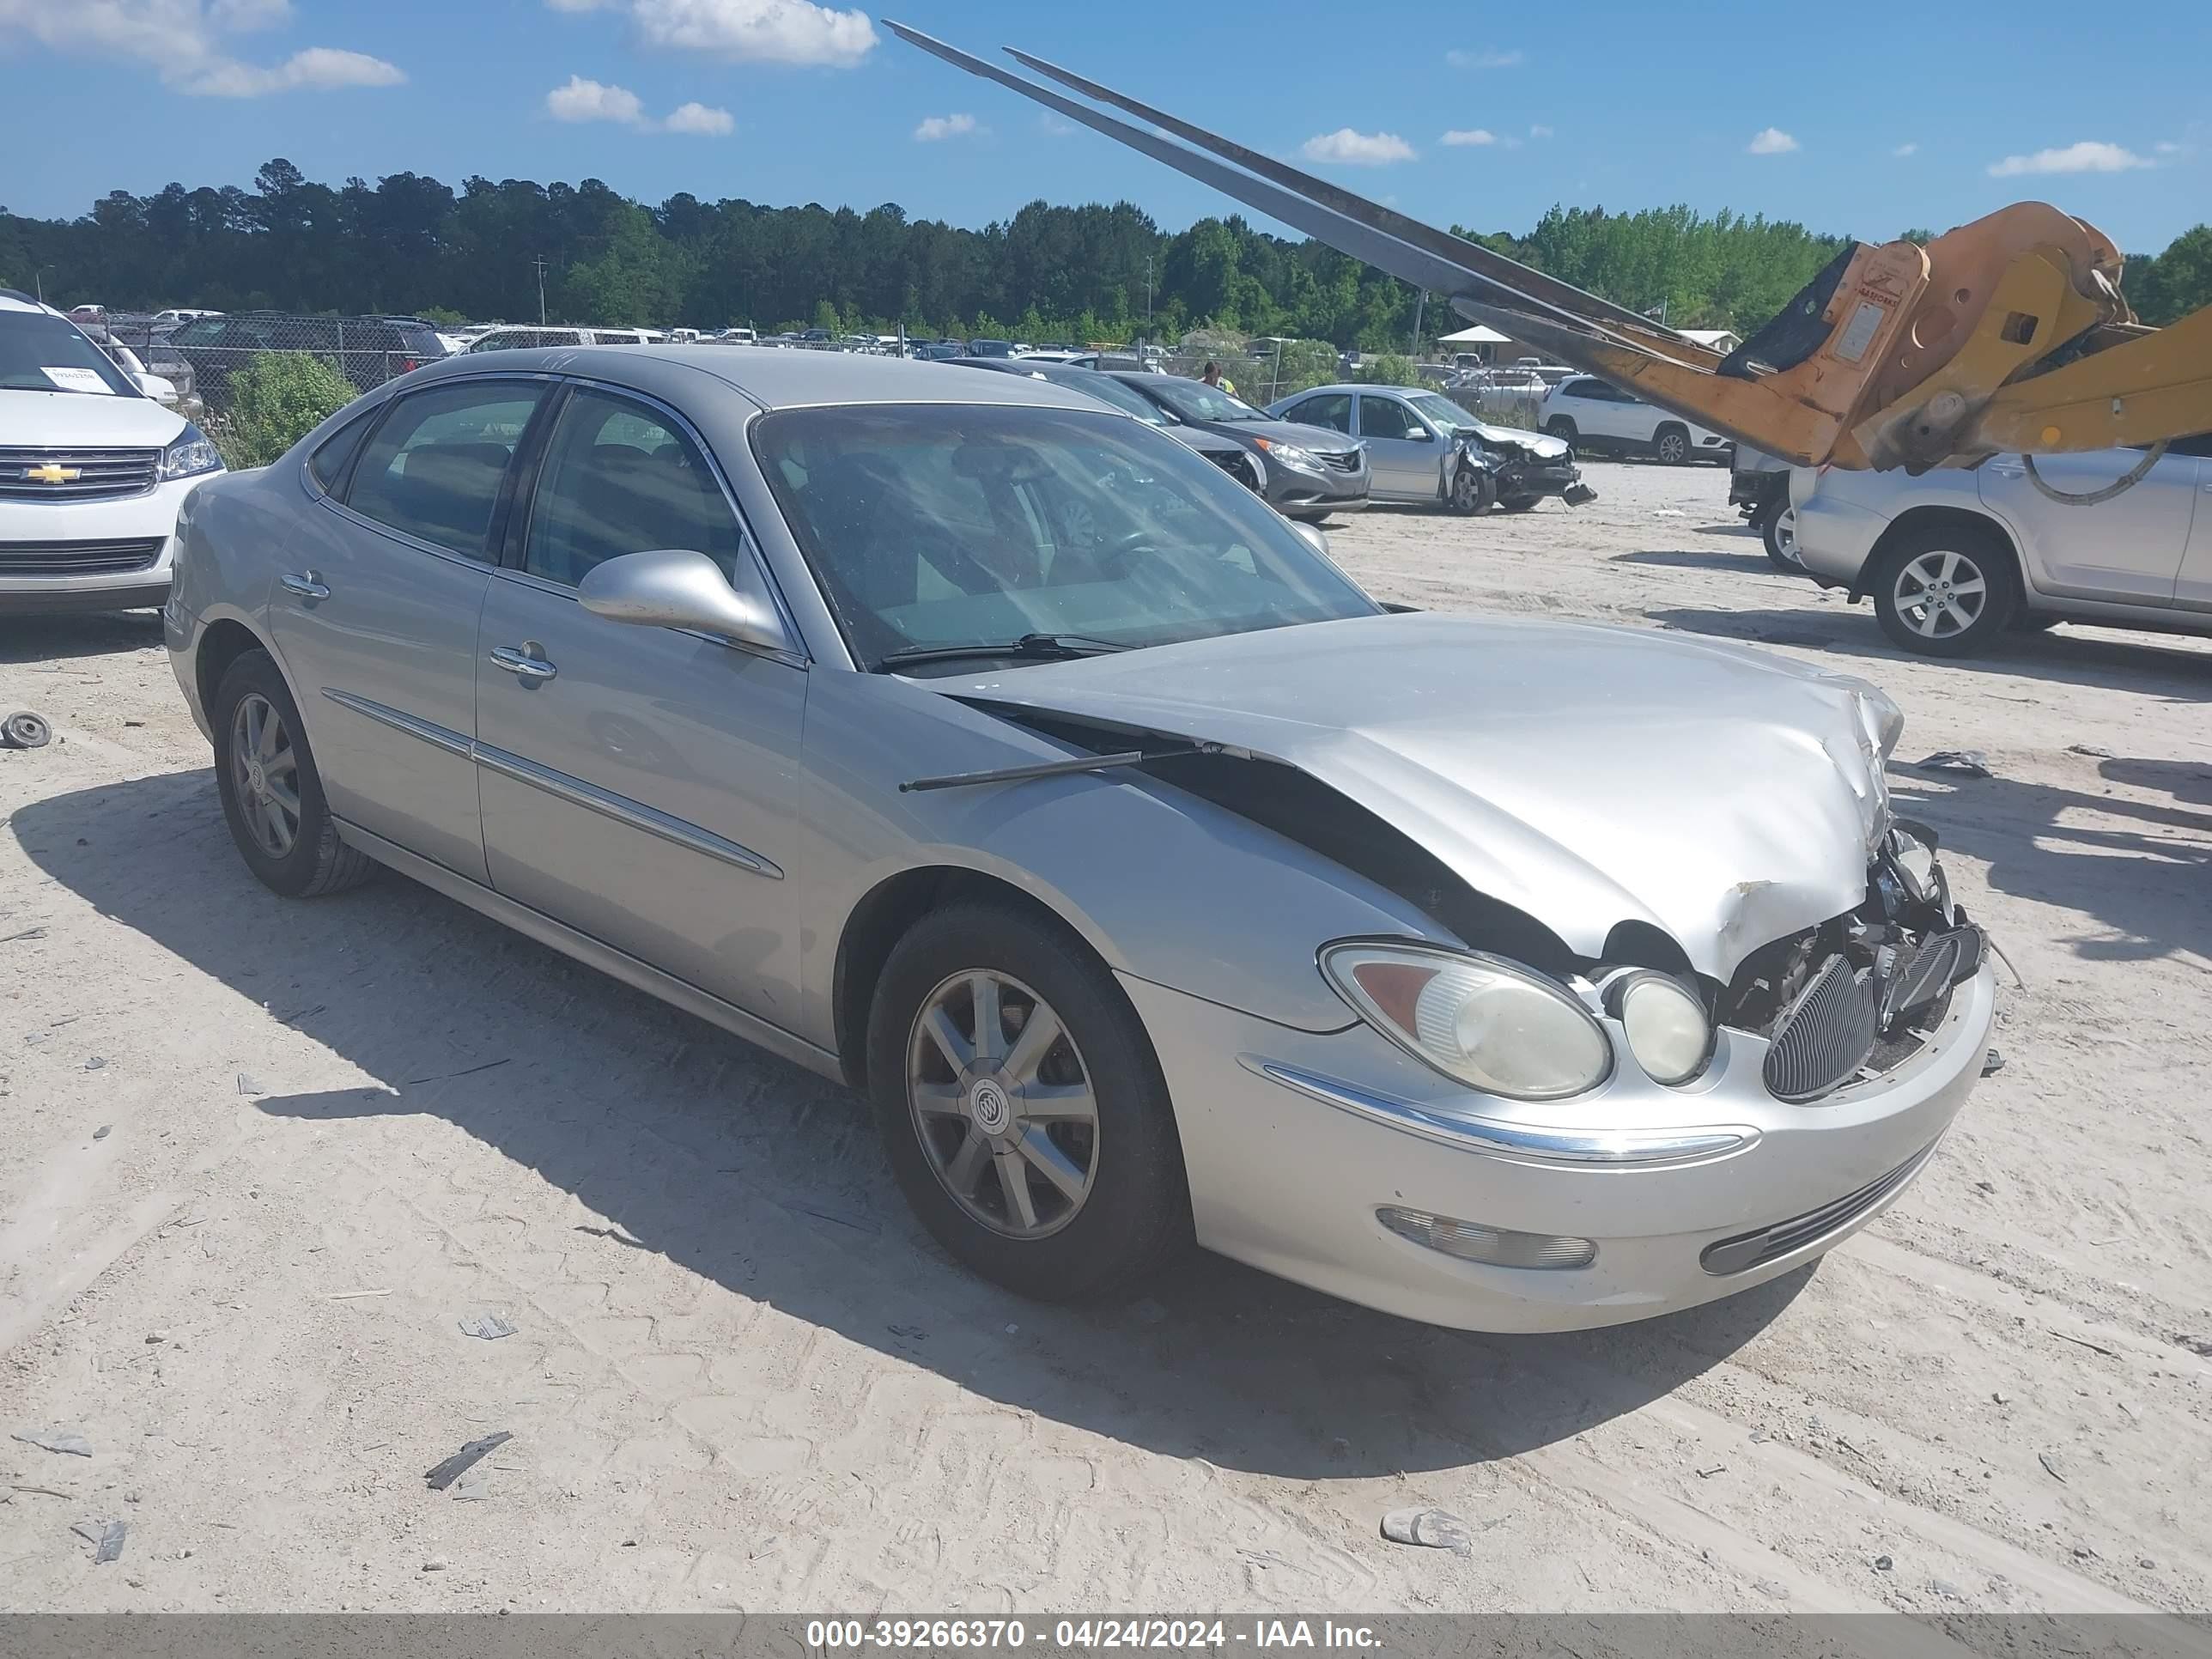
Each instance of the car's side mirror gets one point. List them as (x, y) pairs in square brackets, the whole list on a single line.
[(674, 587), (159, 388), (1312, 535)]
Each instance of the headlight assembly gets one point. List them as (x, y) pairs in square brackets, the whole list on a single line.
[(1303, 460), (190, 453), (1490, 1024), (1665, 1024)]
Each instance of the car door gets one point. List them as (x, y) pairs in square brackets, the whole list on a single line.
[(639, 783), (1404, 457), (2127, 550), (2192, 589), (374, 615)]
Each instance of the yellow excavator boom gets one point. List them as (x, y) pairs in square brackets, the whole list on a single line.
[(2007, 334)]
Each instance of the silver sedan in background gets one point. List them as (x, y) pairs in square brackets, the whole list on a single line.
[(953, 735)]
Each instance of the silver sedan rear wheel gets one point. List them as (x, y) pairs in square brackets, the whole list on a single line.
[(265, 770), (1002, 1104)]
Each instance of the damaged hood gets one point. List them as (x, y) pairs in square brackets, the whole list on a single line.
[(1542, 446), (1588, 776)]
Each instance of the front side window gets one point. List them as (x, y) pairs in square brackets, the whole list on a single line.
[(1332, 411), (937, 526), (618, 477), (1442, 412), (434, 467), (1386, 417)]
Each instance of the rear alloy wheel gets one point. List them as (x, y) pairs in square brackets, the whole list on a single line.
[(272, 795), (1564, 429), (1473, 490), (1022, 1107), (1780, 535), (1671, 446), (1946, 591)]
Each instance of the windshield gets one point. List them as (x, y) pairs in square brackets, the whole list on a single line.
[(1108, 390), (38, 353), (1442, 412), (937, 525), (1194, 400)]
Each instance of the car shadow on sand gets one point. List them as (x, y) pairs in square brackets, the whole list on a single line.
[(768, 1180), (1752, 561), (2137, 664), (44, 638)]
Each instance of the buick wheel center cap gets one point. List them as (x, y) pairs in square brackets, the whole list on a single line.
[(990, 1105)]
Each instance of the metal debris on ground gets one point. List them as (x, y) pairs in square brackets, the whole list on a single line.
[(105, 1538), (489, 1326), (1429, 1529), (453, 1467), (2094, 751), (25, 730), (473, 1487), (249, 1086), (1967, 762), (103, 1131), (66, 1441), (95, 1062), (2050, 1462)]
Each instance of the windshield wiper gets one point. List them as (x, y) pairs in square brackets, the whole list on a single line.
[(1048, 648)]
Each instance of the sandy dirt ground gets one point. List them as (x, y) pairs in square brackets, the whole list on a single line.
[(263, 1158)]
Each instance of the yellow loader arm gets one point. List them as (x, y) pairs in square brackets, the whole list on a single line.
[(2009, 334)]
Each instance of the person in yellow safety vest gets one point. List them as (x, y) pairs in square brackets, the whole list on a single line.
[(1213, 377)]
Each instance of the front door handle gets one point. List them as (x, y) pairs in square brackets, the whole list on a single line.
[(2007, 471), (524, 662), (305, 586)]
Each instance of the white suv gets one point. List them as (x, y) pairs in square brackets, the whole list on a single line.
[(523, 339), (1595, 415), (1954, 558), (92, 470)]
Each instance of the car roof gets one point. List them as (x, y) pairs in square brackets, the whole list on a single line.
[(772, 379), (1356, 385), (11, 300)]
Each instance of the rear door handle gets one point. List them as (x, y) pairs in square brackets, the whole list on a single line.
[(524, 663), (305, 586)]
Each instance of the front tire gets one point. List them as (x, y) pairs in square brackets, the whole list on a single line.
[(1946, 590), (1473, 491), (272, 795), (1022, 1107), (1670, 447)]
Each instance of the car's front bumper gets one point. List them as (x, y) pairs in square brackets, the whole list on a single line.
[(1296, 492), (1294, 1140), (36, 539)]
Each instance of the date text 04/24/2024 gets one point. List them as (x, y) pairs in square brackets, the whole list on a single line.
[(836, 1635)]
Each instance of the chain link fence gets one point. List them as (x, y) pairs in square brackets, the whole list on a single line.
[(201, 355)]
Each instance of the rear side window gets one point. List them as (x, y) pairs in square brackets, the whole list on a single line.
[(327, 464), (434, 467)]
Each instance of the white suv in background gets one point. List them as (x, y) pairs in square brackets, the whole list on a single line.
[(92, 472), (1954, 558), (518, 338), (1595, 416)]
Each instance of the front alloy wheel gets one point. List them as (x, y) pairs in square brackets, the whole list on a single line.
[(1473, 490), (1673, 447), (1002, 1104), (1945, 590)]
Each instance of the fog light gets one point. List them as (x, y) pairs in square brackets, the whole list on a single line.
[(1499, 1247), (1666, 1026)]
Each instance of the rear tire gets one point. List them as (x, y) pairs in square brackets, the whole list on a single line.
[(1946, 590), (1670, 445), (1132, 1212), (1780, 535), (1564, 429), (272, 795)]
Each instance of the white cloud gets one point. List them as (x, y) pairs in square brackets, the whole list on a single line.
[(1540, 130), (1485, 60), (1052, 127), (936, 128), (1357, 150), (183, 42), (747, 31), (1772, 142), (2087, 156), (1903, 150), (2167, 146), (1461, 135), (590, 100), (700, 121)]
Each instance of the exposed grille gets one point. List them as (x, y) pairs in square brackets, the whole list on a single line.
[(99, 475), (1345, 460), (76, 558), (1823, 1036), (1748, 1250)]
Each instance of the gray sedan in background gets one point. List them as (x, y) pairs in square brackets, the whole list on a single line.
[(953, 735), (1311, 472), (1231, 457)]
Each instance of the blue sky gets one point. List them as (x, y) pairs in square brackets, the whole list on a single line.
[(1925, 117)]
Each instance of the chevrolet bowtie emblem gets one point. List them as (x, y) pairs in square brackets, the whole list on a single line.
[(52, 473)]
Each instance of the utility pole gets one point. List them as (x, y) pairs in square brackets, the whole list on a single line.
[(1420, 307), (539, 263), (39, 281)]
